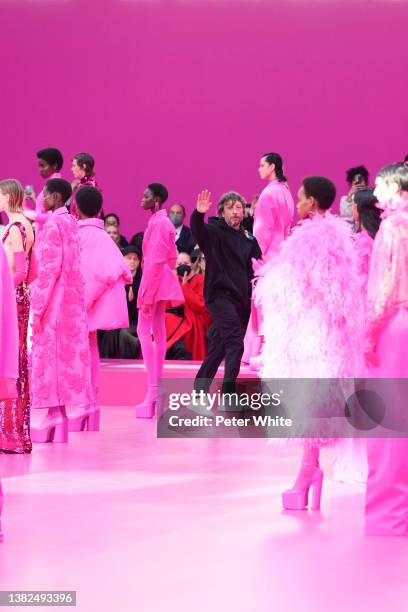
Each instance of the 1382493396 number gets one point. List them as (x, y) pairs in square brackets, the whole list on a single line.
[(34, 598)]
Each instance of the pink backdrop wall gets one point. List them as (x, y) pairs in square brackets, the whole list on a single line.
[(190, 93)]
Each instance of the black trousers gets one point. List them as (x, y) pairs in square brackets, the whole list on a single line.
[(225, 340)]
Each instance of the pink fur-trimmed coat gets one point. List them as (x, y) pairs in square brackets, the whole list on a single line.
[(311, 298), (105, 273), (159, 259), (8, 330), (273, 217), (60, 354)]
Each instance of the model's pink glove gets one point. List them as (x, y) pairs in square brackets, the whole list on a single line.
[(20, 267), (33, 269)]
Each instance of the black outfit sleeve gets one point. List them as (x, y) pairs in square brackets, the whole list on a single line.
[(200, 230)]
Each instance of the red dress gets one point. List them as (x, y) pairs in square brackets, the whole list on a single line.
[(193, 326)]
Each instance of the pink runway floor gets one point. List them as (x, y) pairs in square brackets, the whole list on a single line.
[(135, 523)]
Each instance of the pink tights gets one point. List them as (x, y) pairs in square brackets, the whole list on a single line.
[(153, 349), (93, 345)]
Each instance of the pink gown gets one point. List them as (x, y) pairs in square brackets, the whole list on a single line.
[(61, 357), (9, 345), (386, 510), (273, 220), (15, 413)]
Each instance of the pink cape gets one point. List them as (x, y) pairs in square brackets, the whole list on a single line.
[(8, 331), (105, 274)]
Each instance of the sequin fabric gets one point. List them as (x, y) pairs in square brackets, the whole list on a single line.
[(15, 413)]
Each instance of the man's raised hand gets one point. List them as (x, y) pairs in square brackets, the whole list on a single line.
[(204, 201)]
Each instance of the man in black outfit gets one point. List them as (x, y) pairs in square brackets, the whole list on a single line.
[(228, 251)]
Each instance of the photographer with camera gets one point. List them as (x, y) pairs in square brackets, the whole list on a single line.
[(357, 178), (187, 324)]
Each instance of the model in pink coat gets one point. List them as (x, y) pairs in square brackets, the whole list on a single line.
[(159, 284), (83, 171), (313, 322), (50, 162), (9, 342), (61, 372), (351, 453), (386, 510), (273, 220), (105, 274)]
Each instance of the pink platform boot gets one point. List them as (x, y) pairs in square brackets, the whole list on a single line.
[(84, 418), (297, 498), (147, 409), (54, 428)]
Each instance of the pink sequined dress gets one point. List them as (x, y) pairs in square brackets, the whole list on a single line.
[(8, 330), (61, 373), (86, 180), (15, 413)]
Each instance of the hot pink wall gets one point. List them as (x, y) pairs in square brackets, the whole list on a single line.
[(191, 93)]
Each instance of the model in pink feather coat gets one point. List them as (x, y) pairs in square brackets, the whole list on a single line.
[(61, 372), (310, 295), (159, 284), (105, 274), (386, 510), (273, 220)]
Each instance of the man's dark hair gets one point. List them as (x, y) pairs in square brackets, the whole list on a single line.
[(395, 173), (51, 156), (275, 158), (85, 159), (159, 191), (320, 188), (61, 186), (362, 170), (369, 214), (89, 201)]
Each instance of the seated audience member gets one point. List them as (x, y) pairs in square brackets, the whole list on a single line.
[(406, 161), (113, 232), (129, 344), (184, 238), (137, 240), (198, 261), (357, 178), (187, 324), (113, 219)]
